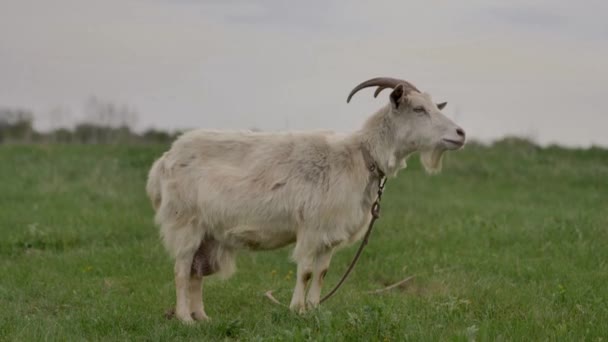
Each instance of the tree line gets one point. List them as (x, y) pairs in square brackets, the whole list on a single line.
[(104, 123)]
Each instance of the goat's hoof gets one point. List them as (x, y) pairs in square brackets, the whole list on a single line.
[(298, 308), (188, 321), (185, 318), (312, 305), (200, 316)]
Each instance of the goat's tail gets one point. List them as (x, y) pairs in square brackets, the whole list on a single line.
[(153, 186)]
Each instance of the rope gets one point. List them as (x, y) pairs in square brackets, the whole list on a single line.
[(375, 215)]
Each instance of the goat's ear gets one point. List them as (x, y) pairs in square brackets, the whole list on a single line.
[(441, 105), (397, 98)]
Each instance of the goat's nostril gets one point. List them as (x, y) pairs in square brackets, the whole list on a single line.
[(460, 132)]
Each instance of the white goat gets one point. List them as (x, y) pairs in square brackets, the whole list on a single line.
[(217, 192)]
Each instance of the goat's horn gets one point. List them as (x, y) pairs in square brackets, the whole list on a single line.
[(382, 83), (378, 90)]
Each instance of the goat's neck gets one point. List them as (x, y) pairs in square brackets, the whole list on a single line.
[(378, 136)]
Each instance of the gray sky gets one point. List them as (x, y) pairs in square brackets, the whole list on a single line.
[(533, 68)]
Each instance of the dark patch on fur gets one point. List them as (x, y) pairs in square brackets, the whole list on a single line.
[(253, 245), (306, 277), (202, 263), (323, 274), (278, 185)]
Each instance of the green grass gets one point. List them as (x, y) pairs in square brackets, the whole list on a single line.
[(508, 243)]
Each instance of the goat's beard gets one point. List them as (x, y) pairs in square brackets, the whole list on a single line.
[(431, 159)]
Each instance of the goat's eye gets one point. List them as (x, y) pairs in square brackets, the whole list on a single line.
[(419, 109)]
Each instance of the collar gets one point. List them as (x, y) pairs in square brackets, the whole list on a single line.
[(372, 166)]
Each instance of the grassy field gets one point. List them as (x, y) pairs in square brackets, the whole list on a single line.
[(508, 243)]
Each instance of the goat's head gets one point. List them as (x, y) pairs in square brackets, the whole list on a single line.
[(417, 123)]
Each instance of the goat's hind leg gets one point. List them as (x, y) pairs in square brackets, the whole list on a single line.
[(186, 241), (203, 264), (183, 264)]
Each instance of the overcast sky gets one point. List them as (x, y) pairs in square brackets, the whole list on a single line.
[(533, 68)]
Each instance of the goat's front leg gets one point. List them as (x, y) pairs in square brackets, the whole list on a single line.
[(304, 273), (320, 266)]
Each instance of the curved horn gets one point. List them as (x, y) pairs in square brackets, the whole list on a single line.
[(379, 90), (382, 83)]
